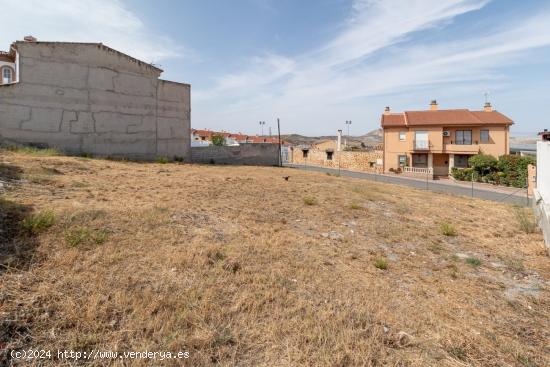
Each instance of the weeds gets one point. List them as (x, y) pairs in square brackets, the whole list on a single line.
[(42, 152), (162, 160), (79, 236), (448, 229), (39, 222), (525, 220), (473, 261), (309, 200), (381, 263), (355, 206)]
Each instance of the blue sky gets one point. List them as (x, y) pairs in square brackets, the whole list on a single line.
[(317, 63)]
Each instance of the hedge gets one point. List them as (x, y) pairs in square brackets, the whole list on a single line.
[(508, 170)]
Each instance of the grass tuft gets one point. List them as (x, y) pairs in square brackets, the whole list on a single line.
[(309, 200), (473, 261), (525, 220), (80, 236), (42, 152), (162, 160), (381, 263), (448, 229), (355, 206), (39, 222)]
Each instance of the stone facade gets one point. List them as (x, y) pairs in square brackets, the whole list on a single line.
[(89, 98), (326, 154)]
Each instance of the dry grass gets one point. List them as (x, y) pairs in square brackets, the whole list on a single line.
[(231, 264)]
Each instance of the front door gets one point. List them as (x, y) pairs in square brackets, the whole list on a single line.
[(441, 164)]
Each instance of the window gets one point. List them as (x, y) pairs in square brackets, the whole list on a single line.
[(421, 140), (304, 152), (402, 160), (402, 135), (461, 160), (463, 137), (6, 75), (484, 136), (329, 156), (420, 160)]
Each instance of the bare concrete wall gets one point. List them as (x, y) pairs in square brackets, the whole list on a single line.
[(88, 98), (245, 154)]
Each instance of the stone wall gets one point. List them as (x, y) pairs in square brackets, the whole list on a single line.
[(350, 160), (246, 154), (88, 98)]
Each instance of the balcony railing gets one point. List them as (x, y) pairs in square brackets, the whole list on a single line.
[(418, 170), (421, 144)]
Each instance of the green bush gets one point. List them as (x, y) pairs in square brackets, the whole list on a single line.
[(218, 140), (483, 163), (514, 169), (39, 222), (462, 174)]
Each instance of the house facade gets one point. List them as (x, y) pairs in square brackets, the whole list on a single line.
[(204, 138), (90, 98), (432, 142)]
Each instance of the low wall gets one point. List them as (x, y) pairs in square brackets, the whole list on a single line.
[(245, 154), (350, 160)]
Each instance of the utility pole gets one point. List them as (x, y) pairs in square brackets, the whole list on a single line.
[(348, 124), (279, 133), (339, 150), (262, 123)]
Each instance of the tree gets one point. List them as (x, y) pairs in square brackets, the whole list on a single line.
[(218, 140), (483, 163)]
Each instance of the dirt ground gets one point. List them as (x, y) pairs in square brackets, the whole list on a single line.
[(238, 266)]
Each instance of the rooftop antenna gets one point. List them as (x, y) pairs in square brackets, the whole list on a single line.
[(486, 94)]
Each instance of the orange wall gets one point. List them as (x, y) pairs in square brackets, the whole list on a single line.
[(498, 142)]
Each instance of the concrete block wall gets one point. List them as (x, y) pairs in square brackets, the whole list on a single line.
[(351, 160), (88, 98), (541, 200), (245, 154)]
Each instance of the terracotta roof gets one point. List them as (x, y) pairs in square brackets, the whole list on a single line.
[(444, 117), (238, 137), (7, 56)]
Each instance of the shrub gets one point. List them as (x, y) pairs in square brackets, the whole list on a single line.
[(447, 229), (218, 140), (462, 174), (39, 222), (483, 163), (514, 169), (381, 263), (355, 206), (308, 200), (162, 160)]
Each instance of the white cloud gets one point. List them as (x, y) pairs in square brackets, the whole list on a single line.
[(326, 83), (106, 21)]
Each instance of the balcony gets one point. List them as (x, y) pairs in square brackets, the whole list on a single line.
[(423, 145), (418, 170), (461, 148)]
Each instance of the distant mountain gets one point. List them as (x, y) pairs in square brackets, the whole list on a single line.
[(373, 137)]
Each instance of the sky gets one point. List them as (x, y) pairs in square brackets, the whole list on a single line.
[(318, 63)]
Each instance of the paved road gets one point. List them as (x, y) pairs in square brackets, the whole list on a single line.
[(447, 188)]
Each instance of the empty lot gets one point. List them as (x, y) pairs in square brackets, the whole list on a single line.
[(239, 266)]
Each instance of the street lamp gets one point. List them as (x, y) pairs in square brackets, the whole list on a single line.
[(262, 123), (348, 124)]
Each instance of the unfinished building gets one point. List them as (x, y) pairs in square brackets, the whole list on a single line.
[(89, 98)]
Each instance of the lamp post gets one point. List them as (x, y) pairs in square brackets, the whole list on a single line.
[(348, 124), (262, 123)]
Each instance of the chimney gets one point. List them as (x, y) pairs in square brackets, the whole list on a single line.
[(387, 110), (433, 105), (339, 143), (29, 39), (487, 107)]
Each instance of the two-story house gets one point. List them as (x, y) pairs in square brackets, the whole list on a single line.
[(431, 142)]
